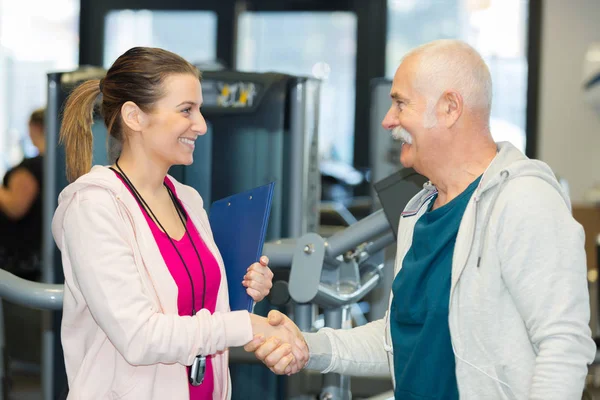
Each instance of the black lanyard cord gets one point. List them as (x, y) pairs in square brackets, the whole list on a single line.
[(143, 203), (179, 212)]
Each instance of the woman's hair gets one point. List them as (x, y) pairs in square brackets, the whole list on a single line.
[(138, 76), (37, 117)]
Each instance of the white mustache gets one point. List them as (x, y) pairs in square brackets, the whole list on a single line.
[(399, 133)]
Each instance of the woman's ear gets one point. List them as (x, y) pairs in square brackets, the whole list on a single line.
[(132, 116)]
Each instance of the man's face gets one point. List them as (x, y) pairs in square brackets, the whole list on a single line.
[(412, 119)]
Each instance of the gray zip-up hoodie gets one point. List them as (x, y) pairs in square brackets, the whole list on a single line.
[(519, 303)]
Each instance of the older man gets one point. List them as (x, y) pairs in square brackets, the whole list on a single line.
[(489, 299)]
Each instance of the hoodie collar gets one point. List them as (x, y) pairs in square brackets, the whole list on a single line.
[(508, 163), (507, 155), (100, 176)]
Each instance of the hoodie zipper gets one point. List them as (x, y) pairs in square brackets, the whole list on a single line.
[(477, 200)]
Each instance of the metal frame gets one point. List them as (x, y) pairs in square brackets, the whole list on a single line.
[(51, 348), (93, 14), (304, 98), (42, 296), (48, 247), (3, 372), (534, 61), (371, 35)]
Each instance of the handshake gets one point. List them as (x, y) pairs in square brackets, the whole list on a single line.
[(278, 343)]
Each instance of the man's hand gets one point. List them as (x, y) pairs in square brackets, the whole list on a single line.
[(274, 353), (259, 279)]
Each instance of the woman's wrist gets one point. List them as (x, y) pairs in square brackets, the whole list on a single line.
[(256, 321)]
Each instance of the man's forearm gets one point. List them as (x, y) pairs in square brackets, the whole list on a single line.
[(356, 352), (320, 351)]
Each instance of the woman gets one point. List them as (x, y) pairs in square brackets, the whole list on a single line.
[(145, 287), (21, 208)]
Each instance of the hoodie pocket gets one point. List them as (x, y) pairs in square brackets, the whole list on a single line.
[(125, 389), (483, 382), (126, 378)]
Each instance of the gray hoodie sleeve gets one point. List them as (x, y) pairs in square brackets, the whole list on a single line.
[(358, 351), (542, 256)]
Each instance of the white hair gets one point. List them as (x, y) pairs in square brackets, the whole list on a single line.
[(452, 65)]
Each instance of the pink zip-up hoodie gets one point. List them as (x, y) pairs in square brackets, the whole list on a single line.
[(121, 333)]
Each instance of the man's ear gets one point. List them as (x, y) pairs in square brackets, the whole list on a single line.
[(452, 107), (132, 116)]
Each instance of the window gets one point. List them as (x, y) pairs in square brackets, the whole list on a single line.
[(36, 37), (496, 28), (316, 44), (191, 34)]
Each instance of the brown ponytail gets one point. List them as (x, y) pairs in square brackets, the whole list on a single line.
[(76, 129)]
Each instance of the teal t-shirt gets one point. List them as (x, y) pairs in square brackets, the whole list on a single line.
[(423, 357)]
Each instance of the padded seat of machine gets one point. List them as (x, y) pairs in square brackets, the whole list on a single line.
[(395, 192)]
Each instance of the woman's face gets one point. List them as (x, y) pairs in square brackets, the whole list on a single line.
[(172, 127)]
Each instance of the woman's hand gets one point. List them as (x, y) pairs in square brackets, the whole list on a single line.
[(259, 279), (280, 344), (283, 352)]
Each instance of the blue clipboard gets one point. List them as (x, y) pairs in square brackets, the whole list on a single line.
[(239, 226)]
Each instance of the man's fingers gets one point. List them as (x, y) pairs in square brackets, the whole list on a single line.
[(302, 346), (254, 343), (300, 356), (284, 365), (267, 348), (277, 355)]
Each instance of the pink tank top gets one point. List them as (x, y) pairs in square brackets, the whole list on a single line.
[(181, 278)]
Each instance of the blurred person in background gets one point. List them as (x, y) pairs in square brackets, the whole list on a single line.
[(20, 247), (21, 208)]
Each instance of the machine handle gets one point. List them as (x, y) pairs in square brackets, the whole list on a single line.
[(30, 294), (328, 297), (360, 232)]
